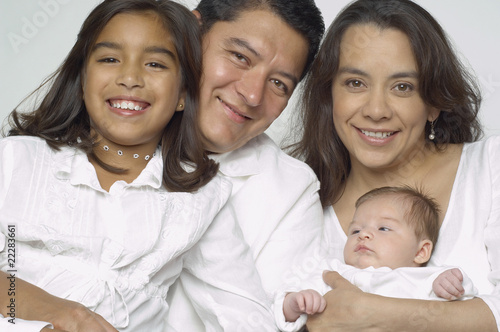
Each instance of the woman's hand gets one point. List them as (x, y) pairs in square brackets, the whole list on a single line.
[(350, 309)]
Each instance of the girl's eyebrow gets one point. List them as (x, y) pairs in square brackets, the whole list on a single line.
[(149, 49)]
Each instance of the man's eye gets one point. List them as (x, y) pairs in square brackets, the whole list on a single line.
[(240, 57)]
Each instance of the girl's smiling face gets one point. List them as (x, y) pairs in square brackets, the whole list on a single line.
[(377, 109), (132, 80)]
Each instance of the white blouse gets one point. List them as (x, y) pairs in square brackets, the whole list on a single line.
[(470, 234), (118, 252)]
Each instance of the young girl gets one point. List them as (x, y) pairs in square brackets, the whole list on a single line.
[(105, 191)]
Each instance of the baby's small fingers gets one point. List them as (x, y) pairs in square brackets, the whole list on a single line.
[(301, 303), (458, 274), (322, 304)]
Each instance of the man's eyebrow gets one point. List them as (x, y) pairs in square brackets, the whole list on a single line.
[(243, 43), (356, 71), (149, 49)]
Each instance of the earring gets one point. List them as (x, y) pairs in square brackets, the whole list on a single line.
[(432, 135), (181, 106)]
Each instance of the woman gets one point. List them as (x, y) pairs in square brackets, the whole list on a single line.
[(399, 108)]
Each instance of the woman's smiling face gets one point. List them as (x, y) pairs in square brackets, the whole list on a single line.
[(377, 109)]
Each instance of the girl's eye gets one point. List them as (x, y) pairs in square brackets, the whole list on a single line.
[(108, 60), (156, 65)]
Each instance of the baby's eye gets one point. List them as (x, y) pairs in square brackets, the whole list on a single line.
[(356, 231), (384, 229)]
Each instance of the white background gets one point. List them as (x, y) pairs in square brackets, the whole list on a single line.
[(36, 35)]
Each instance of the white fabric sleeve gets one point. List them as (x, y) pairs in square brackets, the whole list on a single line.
[(222, 282), (295, 244), (280, 319), (492, 231), (405, 282), (22, 325)]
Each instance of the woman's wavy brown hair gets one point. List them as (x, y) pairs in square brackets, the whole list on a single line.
[(444, 84)]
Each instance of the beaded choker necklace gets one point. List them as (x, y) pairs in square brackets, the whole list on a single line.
[(135, 155)]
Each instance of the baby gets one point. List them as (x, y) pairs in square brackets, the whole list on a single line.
[(389, 241)]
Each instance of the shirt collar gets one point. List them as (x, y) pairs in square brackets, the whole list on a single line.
[(244, 161), (72, 165)]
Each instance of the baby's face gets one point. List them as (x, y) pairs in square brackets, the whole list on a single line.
[(379, 236)]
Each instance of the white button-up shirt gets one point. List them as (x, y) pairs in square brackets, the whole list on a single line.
[(276, 203)]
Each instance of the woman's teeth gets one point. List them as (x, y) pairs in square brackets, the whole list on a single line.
[(378, 134)]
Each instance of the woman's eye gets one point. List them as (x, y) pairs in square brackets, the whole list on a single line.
[(354, 83), (404, 87)]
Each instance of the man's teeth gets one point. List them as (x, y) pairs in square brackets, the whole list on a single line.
[(377, 134), (127, 105)]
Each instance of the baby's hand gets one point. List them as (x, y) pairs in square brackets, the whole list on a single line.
[(304, 302), (448, 284)]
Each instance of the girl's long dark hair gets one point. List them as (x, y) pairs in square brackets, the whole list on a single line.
[(444, 84), (61, 118)]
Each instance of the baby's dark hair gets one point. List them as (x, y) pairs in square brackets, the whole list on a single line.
[(422, 211), (62, 119)]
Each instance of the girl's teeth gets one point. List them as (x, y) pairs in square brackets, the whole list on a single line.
[(130, 106)]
